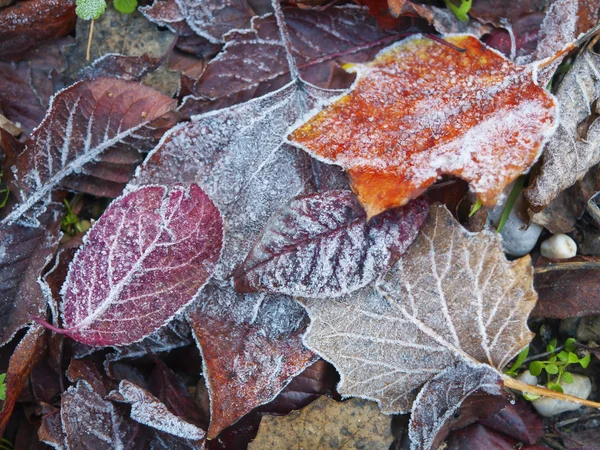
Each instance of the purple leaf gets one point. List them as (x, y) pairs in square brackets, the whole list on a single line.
[(320, 245), (142, 262), (83, 122)]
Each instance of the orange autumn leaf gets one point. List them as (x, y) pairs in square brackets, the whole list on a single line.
[(422, 109)]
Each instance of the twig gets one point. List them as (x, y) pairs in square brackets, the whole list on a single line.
[(511, 383)]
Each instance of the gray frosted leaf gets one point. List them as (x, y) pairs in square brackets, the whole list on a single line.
[(148, 410), (320, 245), (239, 158), (437, 408), (88, 420), (573, 149), (84, 121), (452, 296), (211, 19)]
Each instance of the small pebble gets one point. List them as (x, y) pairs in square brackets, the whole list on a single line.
[(559, 246), (580, 387)]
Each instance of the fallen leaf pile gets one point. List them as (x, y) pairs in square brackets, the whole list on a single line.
[(217, 212)]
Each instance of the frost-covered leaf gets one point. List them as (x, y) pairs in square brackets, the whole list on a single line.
[(211, 19), (453, 296), (24, 252), (328, 425), (148, 410), (89, 421), (441, 403), (132, 68), (250, 351), (50, 431), (565, 20), (142, 262), (575, 147), (166, 13), (320, 245), (24, 358), (26, 24), (238, 157), (90, 9), (421, 109), (84, 121), (253, 61)]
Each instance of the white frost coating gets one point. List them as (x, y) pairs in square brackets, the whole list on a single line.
[(211, 19), (148, 410), (442, 397), (569, 155), (559, 246), (453, 296), (87, 418)]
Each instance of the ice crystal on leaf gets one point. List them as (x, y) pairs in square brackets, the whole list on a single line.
[(453, 296), (422, 109), (142, 262)]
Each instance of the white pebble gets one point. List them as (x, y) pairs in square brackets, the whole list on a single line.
[(526, 377), (580, 387), (559, 246)]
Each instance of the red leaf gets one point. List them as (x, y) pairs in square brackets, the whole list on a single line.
[(26, 23), (249, 356), (143, 261), (518, 421), (477, 436), (83, 122), (320, 245)]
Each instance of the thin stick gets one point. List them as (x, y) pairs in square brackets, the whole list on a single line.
[(511, 383), (89, 46), (567, 48)]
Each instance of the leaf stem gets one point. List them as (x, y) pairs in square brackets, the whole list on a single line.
[(47, 325), (89, 45), (514, 193), (511, 383), (285, 38)]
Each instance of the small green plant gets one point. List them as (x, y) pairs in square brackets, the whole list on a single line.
[(5, 192), (555, 366), (3, 386), (461, 11), (71, 223), (5, 444)]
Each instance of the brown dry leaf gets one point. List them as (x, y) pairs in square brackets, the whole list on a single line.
[(453, 296), (408, 8), (326, 425), (575, 147), (23, 360), (421, 109)]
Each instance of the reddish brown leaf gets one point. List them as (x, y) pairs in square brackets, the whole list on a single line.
[(319, 40), (480, 437), (90, 120), (24, 252), (50, 431), (406, 122), (131, 68), (29, 22), (91, 372), (167, 13), (27, 354), (517, 420), (499, 11), (249, 356), (320, 245), (409, 8), (567, 288), (143, 261)]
